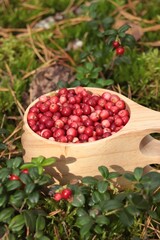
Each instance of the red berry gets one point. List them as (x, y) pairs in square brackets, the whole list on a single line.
[(66, 193), (13, 177), (25, 171), (116, 44), (120, 50), (57, 197)]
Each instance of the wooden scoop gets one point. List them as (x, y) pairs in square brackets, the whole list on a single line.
[(131, 147)]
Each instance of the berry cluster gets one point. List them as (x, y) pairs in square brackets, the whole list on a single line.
[(119, 49), (77, 115), (64, 194), (14, 177)]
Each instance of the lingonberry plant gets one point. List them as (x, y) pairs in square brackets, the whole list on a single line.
[(20, 192), (82, 117)]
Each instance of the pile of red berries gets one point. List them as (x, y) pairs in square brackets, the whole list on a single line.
[(119, 49), (64, 194), (77, 115)]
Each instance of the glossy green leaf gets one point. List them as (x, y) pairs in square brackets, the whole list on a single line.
[(126, 219), (81, 212), (138, 173), (17, 162), (12, 185), (156, 198), (17, 198), (85, 229), (17, 223), (81, 221), (34, 197), (102, 220), (3, 200), (78, 200), (48, 161), (104, 171), (6, 213), (4, 173), (29, 188), (89, 180), (111, 32), (129, 176), (25, 178), (30, 219), (112, 205), (40, 223), (37, 160), (123, 28), (102, 186)]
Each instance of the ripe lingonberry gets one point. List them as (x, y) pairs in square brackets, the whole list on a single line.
[(116, 44), (13, 177), (57, 197), (25, 171), (66, 193), (120, 50)]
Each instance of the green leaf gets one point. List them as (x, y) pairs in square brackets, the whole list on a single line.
[(29, 188), (89, 180), (44, 179), (138, 172), (17, 198), (4, 173), (89, 66), (85, 229), (156, 198), (17, 223), (3, 200), (102, 186), (78, 200), (104, 171), (111, 32), (114, 175), (126, 219), (37, 160), (81, 212), (40, 223), (27, 165), (6, 214), (34, 197), (12, 185), (34, 174), (102, 220), (17, 162), (83, 220), (30, 220), (48, 161), (123, 28), (112, 205), (98, 229), (25, 178), (129, 176), (97, 197), (132, 210)]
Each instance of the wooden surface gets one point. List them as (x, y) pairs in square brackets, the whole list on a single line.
[(131, 147)]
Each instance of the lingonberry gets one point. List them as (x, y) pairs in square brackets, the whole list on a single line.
[(66, 193), (77, 115), (13, 177), (66, 111), (120, 50), (46, 133), (25, 171), (57, 197), (116, 44)]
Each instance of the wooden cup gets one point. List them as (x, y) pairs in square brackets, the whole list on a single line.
[(131, 147)]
